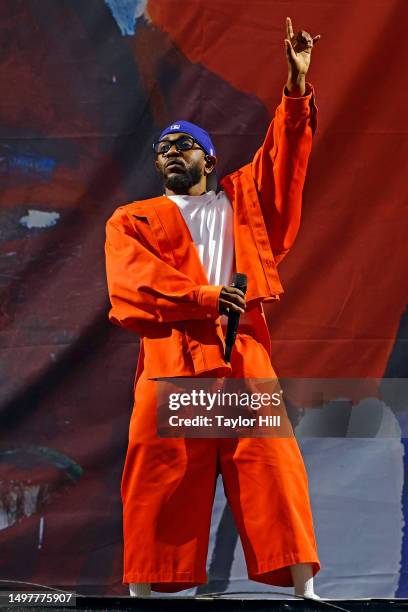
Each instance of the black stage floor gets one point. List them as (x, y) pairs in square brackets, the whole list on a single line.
[(221, 603)]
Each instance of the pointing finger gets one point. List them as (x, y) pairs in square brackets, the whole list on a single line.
[(289, 28)]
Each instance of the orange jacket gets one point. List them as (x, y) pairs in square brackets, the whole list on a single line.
[(157, 285)]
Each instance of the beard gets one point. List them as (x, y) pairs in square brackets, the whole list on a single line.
[(181, 182)]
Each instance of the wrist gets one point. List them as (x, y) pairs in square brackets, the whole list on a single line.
[(296, 85)]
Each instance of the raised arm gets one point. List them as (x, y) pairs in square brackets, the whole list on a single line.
[(279, 166)]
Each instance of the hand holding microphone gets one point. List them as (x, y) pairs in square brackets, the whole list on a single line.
[(232, 303), (231, 298)]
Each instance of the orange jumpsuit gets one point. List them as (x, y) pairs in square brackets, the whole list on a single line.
[(159, 289)]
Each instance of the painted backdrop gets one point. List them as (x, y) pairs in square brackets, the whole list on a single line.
[(86, 87)]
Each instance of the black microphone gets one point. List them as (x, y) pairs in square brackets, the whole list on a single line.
[(240, 282)]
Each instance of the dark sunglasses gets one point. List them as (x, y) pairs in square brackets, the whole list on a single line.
[(184, 143)]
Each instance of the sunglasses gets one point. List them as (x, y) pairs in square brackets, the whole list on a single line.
[(184, 143)]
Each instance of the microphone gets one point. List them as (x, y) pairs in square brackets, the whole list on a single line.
[(240, 282)]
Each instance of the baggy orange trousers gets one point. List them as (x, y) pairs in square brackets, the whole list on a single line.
[(168, 487)]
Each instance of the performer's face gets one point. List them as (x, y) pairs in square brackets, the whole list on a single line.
[(181, 170)]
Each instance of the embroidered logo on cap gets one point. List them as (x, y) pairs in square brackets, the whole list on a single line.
[(175, 126)]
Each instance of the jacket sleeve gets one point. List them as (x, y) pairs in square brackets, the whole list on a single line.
[(279, 168), (143, 289)]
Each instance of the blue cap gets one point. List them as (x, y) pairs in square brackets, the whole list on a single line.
[(200, 135)]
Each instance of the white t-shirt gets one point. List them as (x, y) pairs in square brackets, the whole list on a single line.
[(209, 218)]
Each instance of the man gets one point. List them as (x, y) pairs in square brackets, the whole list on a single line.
[(169, 264)]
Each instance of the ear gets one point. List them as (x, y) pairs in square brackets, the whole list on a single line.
[(210, 163)]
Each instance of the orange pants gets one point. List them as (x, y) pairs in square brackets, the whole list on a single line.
[(168, 488)]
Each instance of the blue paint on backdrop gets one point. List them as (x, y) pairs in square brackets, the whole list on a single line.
[(125, 13), (27, 164), (402, 590)]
